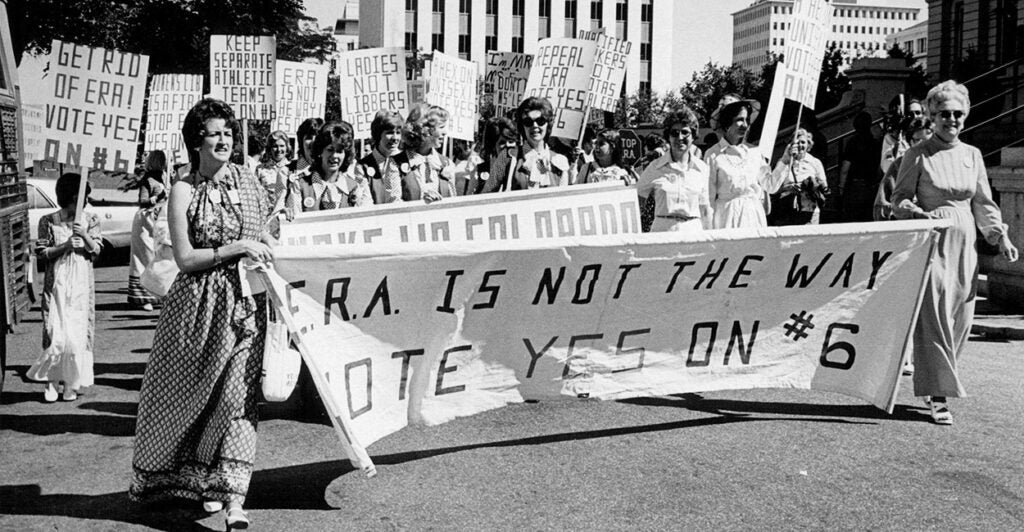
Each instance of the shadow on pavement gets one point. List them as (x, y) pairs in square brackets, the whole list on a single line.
[(65, 423), (133, 384), (823, 412), (124, 368), (124, 409), (149, 327), (27, 499)]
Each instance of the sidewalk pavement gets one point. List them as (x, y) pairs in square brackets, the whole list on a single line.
[(994, 321)]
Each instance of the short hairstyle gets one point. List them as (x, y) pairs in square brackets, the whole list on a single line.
[(612, 137), (535, 103), (862, 122), (495, 130), (948, 90), (272, 139), (67, 188), (461, 150), (156, 161), (333, 133), (683, 116), (384, 121), (653, 142), (805, 134), (193, 128), (308, 128), (421, 116)]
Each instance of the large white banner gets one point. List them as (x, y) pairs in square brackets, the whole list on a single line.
[(301, 94), (805, 49), (371, 80), (561, 73), (609, 69), (424, 333), (507, 73), (242, 73), (453, 86), (93, 115), (583, 210), (170, 98)]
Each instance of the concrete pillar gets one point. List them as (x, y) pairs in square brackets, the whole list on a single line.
[(1006, 279), (879, 79)]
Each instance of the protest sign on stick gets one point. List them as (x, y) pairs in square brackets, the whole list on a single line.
[(425, 333), (371, 80), (800, 68), (301, 93), (170, 98), (93, 115), (609, 69), (242, 73), (561, 73), (507, 74), (453, 86)]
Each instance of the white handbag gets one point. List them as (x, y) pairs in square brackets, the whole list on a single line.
[(281, 362)]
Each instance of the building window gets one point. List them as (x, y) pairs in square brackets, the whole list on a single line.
[(544, 10), (621, 11), (646, 11), (645, 51), (492, 7), (465, 7), (517, 44), (437, 6), (410, 41), (570, 9), (491, 43), (464, 46), (518, 8), (410, 5), (437, 41)]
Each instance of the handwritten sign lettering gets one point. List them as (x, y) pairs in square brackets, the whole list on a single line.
[(242, 71)]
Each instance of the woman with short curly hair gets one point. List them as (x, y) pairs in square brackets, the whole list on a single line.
[(943, 178)]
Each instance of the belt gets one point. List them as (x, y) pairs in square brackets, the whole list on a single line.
[(681, 217)]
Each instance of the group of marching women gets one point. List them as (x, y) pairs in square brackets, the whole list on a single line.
[(196, 428)]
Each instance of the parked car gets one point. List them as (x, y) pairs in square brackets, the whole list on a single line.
[(116, 210)]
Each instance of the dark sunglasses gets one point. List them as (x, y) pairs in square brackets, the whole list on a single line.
[(529, 122), (946, 115), (680, 133)]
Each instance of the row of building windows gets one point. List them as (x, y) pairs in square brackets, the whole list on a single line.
[(875, 13), (869, 30)]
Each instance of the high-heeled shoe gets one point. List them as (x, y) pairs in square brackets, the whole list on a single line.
[(237, 519), (69, 393)]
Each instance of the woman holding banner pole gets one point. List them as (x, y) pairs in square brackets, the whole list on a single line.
[(196, 430), (677, 182), (737, 172), (539, 166), (944, 178)]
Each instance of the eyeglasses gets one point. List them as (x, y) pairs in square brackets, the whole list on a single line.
[(947, 115), (680, 133), (916, 112), (540, 121)]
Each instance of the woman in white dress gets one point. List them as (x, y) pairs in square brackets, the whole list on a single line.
[(737, 173)]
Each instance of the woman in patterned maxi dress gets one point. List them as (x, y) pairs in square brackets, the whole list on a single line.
[(944, 178), (196, 430)]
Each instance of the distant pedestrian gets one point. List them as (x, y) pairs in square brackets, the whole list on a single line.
[(154, 185), (68, 248), (859, 172), (943, 178)]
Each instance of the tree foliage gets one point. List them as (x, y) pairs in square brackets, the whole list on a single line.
[(175, 34)]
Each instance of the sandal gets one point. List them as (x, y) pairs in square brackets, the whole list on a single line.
[(237, 519), (940, 413)]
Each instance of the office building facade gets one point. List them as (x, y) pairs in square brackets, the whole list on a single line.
[(469, 29), (859, 28)]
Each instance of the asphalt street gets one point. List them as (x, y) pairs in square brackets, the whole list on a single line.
[(732, 460)]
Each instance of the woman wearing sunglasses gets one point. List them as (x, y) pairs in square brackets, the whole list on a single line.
[(944, 178), (673, 190), (539, 166)]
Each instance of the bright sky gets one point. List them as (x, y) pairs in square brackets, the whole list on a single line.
[(703, 30)]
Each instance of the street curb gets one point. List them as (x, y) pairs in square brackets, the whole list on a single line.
[(997, 332)]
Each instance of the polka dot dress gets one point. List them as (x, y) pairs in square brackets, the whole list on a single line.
[(196, 429)]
